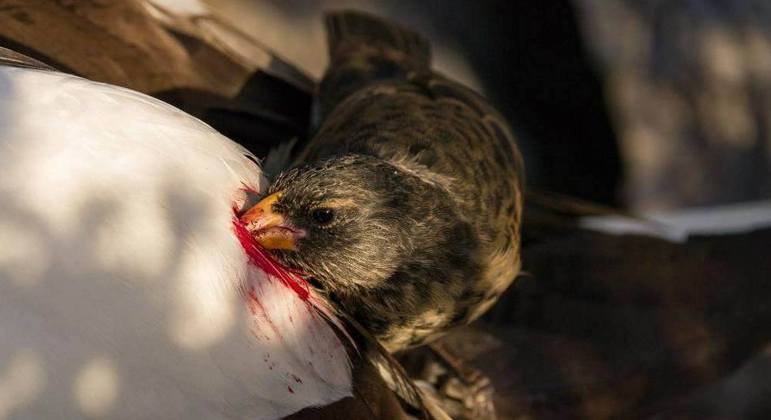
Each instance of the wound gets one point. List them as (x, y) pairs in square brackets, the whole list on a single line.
[(265, 262)]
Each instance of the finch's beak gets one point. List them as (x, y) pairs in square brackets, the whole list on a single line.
[(268, 228)]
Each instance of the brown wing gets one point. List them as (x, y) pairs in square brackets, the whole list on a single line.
[(382, 389)]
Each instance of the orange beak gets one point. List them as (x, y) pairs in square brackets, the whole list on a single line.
[(269, 229)]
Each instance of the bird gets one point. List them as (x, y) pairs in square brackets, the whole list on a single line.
[(129, 287), (404, 207)]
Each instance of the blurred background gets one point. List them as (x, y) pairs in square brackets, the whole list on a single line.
[(646, 104)]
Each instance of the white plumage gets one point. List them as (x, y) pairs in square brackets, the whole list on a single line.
[(123, 289)]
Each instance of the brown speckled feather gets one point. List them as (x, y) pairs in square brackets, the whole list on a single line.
[(380, 98)]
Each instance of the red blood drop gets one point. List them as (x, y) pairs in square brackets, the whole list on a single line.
[(260, 258)]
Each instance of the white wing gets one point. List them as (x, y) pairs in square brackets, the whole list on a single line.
[(121, 281)]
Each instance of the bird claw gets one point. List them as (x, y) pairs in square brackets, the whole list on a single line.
[(462, 391)]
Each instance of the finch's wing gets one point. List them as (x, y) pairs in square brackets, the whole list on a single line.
[(413, 400)]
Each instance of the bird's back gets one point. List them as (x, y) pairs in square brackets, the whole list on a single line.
[(397, 108)]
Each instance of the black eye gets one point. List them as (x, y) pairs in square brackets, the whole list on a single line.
[(323, 216)]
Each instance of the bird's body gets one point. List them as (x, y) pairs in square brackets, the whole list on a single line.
[(423, 178), (124, 289)]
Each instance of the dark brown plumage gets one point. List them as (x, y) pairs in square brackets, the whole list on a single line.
[(406, 205)]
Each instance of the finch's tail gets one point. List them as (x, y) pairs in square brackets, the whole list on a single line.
[(364, 48)]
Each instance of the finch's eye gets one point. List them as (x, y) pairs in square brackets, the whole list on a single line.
[(323, 216)]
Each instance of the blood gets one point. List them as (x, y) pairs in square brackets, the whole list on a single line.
[(290, 389), (263, 260), (253, 304)]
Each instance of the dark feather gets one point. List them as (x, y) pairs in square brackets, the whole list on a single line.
[(434, 180)]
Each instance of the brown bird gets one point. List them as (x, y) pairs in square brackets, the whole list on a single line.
[(405, 207)]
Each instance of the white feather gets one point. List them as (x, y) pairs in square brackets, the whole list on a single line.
[(678, 225), (121, 280)]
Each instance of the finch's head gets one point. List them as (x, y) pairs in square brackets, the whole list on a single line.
[(348, 222)]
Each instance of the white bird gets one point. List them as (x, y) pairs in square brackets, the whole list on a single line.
[(124, 289)]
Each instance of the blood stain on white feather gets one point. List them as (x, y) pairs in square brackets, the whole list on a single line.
[(75, 156), (266, 323)]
